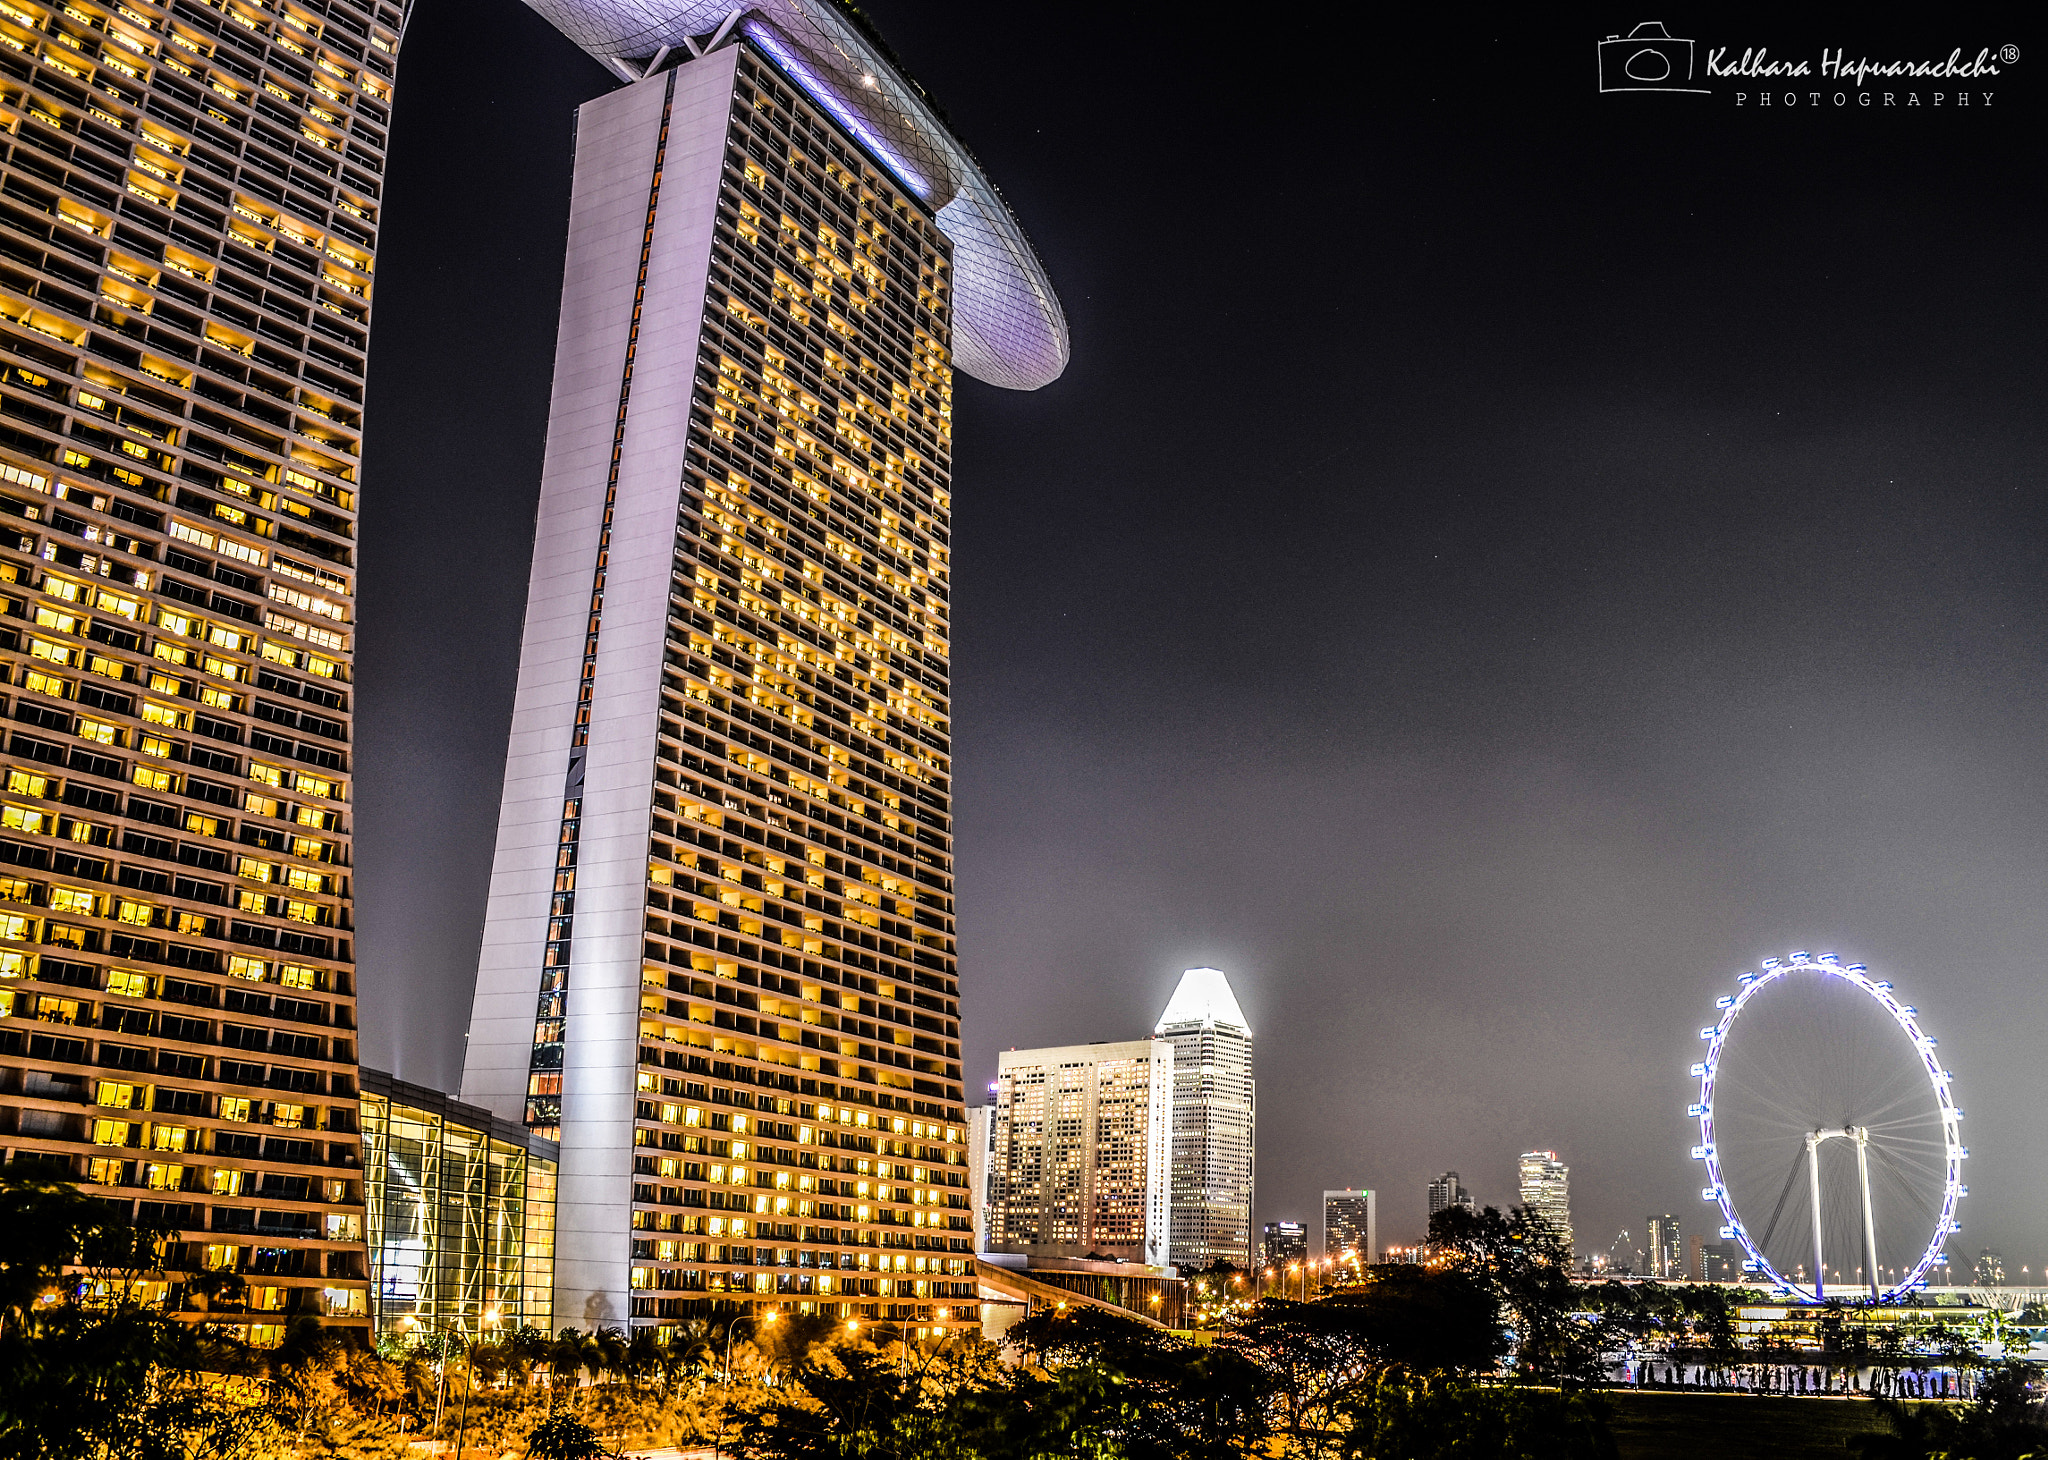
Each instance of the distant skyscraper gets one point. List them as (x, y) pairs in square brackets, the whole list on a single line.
[(1446, 1191), (193, 198), (1546, 1186), (1667, 1248), (1989, 1271), (1351, 1224), (1214, 1121), (718, 956), (1284, 1242), (1716, 1262), (1078, 1151), (980, 1130)]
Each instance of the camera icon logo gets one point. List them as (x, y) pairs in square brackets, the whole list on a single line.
[(1648, 58)]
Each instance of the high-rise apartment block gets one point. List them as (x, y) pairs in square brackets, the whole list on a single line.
[(1351, 1226), (1079, 1141), (190, 200), (1446, 1192), (1546, 1187), (1283, 1242), (1667, 1247), (718, 956), (1214, 1121)]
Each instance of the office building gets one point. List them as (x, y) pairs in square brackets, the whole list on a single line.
[(1282, 1243), (1716, 1262), (1351, 1226), (718, 958), (459, 1211), (1446, 1192), (1214, 1121), (1546, 1189), (189, 216), (1079, 1148), (1666, 1256), (1989, 1269)]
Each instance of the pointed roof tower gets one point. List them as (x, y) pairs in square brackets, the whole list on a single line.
[(1203, 997)]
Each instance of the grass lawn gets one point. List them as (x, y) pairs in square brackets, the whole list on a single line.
[(1663, 1426)]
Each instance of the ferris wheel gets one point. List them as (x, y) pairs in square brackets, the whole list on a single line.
[(1827, 1117)]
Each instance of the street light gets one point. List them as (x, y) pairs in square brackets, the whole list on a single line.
[(412, 1320), (490, 1320)]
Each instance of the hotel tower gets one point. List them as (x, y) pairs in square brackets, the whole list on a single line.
[(718, 958), (189, 208)]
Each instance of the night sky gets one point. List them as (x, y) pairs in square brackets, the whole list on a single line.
[(1502, 560)]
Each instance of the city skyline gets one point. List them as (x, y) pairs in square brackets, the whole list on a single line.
[(1483, 801)]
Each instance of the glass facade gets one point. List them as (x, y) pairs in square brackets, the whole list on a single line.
[(461, 1211), (189, 209)]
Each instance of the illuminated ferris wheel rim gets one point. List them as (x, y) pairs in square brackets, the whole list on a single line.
[(1748, 985)]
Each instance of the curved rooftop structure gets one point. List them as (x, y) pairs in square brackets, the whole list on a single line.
[(1008, 328)]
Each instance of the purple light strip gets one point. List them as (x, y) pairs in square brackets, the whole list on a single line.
[(819, 92)]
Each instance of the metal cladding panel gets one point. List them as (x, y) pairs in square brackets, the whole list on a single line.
[(1009, 329), (614, 166), (614, 169)]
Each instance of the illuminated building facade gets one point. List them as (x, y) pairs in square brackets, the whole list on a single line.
[(1667, 1247), (189, 212), (1351, 1226), (718, 956), (1214, 1121), (1546, 1186), (1080, 1143), (1284, 1242), (459, 1213)]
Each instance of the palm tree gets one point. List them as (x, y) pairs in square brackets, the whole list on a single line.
[(529, 1347), (572, 1351), (611, 1348), (643, 1357), (692, 1347)]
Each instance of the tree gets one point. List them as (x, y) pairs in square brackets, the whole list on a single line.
[(1525, 1264), (87, 1368), (563, 1437)]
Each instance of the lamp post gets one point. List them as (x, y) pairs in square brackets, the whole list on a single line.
[(489, 1320), (411, 1321)]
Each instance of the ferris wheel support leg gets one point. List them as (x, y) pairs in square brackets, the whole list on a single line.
[(1869, 1222), (1820, 1271)]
